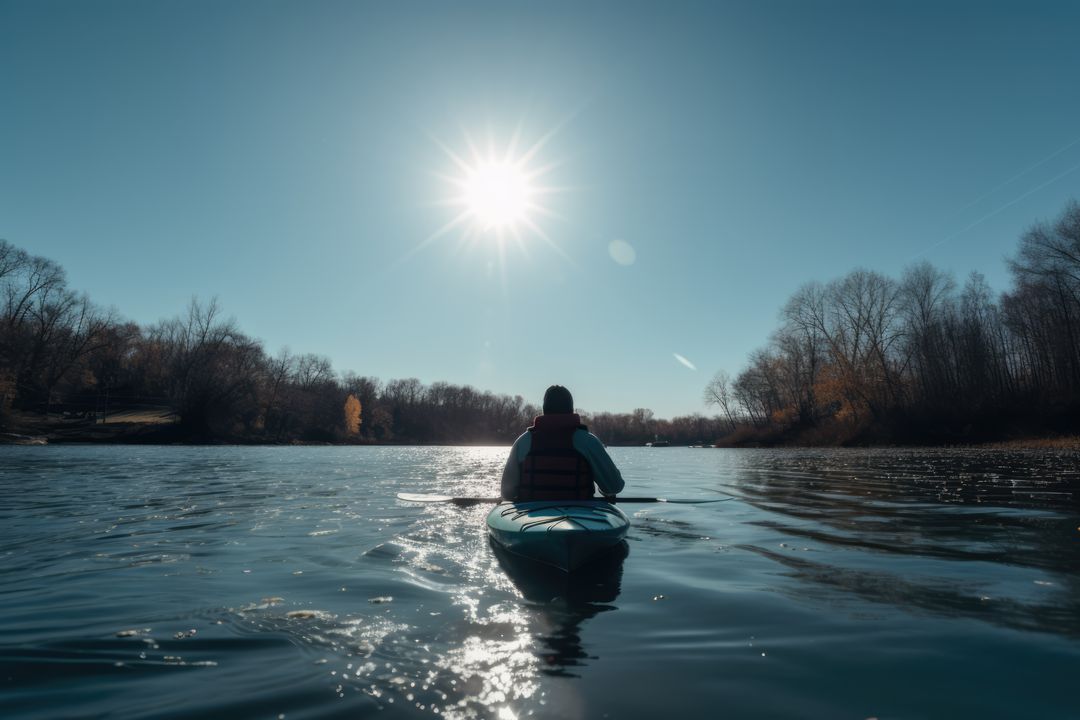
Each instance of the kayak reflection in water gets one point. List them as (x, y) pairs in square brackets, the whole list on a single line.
[(558, 458), (587, 593), (561, 602)]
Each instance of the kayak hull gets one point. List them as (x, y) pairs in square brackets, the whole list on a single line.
[(565, 534)]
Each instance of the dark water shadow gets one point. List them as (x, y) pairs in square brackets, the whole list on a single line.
[(564, 601), (934, 596), (977, 535), (976, 517)]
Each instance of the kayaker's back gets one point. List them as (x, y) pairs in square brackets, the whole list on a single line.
[(553, 469)]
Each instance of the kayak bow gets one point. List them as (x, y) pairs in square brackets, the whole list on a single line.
[(562, 533)]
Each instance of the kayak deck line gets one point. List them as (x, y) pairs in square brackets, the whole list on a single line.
[(550, 522), (518, 513)]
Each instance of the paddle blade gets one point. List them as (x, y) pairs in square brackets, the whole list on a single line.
[(420, 498), (426, 498)]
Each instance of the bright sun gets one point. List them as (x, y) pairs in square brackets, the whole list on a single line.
[(497, 194)]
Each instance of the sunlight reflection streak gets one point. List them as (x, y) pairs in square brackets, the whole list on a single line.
[(457, 221), (554, 246)]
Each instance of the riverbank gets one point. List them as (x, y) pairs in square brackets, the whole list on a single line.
[(123, 428), (1066, 442), (134, 426), (161, 428), (1027, 430)]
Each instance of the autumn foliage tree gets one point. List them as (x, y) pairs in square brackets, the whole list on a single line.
[(352, 415), (921, 358)]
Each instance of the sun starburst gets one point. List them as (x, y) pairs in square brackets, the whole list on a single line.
[(498, 195)]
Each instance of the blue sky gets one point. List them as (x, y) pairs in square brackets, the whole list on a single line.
[(289, 158)]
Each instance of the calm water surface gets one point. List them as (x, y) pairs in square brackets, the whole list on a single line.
[(266, 582)]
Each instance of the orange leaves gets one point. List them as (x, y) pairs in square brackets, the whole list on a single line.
[(352, 415)]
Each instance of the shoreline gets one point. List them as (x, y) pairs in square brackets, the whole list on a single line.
[(170, 434), (159, 426)]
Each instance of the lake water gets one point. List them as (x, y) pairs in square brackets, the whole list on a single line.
[(160, 582)]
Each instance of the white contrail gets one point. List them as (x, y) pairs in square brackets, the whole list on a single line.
[(992, 213), (1019, 175), (684, 361)]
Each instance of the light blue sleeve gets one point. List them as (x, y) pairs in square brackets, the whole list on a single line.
[(606, 476), (511, 476)]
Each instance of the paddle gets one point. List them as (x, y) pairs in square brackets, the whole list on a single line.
[(421, 498)]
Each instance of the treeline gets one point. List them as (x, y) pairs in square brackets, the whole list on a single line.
[(864, 358), (63, 356), (641, 426), (868, 357)]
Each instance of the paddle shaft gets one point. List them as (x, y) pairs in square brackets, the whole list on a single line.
[(414, 497)]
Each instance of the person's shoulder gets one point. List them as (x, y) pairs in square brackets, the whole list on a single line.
[(583, 434)]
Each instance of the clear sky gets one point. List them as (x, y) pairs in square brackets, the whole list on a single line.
[(294, 159)]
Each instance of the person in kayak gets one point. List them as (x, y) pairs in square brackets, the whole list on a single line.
[(557, 458)]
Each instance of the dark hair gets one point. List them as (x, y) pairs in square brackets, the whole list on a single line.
[(558, 400)]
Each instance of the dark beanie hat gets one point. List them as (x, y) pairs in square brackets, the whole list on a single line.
[(558, 400)]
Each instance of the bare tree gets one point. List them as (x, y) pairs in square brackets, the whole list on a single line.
[(1047, 266), (719, 393), (927, 308)]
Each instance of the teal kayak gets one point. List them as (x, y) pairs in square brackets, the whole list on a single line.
[(563, 533)]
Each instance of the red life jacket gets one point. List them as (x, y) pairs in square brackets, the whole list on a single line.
[(553, 469)]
